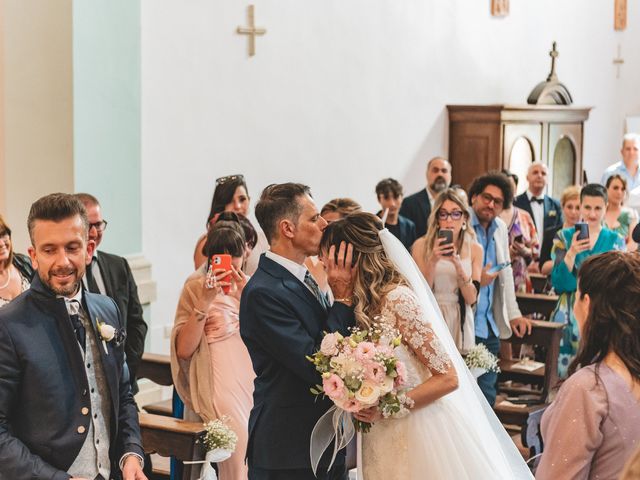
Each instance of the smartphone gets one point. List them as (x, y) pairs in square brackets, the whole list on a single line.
[(447, 235), (583, 230), (220, 261), (519, 239), (499, 267)]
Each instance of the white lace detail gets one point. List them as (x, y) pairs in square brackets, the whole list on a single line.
[(403, 309)]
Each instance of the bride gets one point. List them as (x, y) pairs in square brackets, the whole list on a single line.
[(451, 432)]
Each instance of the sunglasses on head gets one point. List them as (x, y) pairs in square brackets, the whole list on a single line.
[(229, 178)]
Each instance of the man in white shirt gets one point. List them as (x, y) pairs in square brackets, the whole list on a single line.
[(628, 166), (545, 211)]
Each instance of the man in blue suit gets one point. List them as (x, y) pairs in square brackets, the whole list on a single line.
[(66, 408), (283, 315), (545, 211)]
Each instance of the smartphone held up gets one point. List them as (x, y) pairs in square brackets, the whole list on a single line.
[(219, 262), (445, 238)]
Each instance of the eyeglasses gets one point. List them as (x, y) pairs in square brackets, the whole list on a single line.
[(498, 202), (99, 226), (455, 215), (229, 178)]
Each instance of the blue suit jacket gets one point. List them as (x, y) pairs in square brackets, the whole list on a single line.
[(417, 208), (552, 212), (281, 322), (43, 387)]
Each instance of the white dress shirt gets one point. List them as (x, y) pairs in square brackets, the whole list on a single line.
[(538, 212)]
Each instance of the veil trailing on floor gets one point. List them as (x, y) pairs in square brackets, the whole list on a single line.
[(467, 398)]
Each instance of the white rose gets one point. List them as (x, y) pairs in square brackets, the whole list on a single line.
[(387, 385), (368, 393), (329, 345), (107, 332)]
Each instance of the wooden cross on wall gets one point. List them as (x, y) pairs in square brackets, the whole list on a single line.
[(620, 15), (251, 30)]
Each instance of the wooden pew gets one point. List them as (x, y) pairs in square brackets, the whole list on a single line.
[(530, 303), (522, 418), (540, 283), (167, 436), (157, 368)]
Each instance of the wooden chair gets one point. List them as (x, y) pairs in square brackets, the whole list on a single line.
[(167, 437)]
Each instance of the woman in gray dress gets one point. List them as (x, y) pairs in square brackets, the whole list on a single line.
[(593, 426)]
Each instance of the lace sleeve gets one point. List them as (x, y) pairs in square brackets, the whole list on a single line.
[(416, 331)]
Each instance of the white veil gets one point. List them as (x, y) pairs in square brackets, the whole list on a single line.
[(467, 398)]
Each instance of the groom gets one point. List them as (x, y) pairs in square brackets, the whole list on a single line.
[(283, 315)]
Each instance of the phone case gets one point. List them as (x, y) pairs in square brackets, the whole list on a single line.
[(222, 261)]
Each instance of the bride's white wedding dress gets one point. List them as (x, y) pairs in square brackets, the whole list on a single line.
[(457, 437)]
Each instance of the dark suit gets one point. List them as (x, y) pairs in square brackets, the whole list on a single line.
[(121, 287), (281, 322), (44, 387), (552, 211), (417, 208)]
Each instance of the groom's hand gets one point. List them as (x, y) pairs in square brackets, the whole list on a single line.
[(341, 273)]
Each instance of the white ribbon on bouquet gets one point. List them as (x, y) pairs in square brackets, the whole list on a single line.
[(334, 426), (212, 456)]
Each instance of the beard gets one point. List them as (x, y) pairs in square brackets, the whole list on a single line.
[(63, 290), (438, 185)]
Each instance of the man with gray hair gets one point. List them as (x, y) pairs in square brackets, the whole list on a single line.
[(628, 166), (417, 207)]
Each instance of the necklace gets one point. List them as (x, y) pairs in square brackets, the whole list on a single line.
[(8, 279)]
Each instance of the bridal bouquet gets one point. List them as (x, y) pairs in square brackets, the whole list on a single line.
[(361, 371), (480, 360)]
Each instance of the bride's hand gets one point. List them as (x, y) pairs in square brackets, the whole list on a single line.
[(370, 415), (340, 272)]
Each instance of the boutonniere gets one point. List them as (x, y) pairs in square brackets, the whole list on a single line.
[(552, 213), (109, 333)]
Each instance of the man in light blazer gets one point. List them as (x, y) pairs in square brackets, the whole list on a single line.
[(497, 314)]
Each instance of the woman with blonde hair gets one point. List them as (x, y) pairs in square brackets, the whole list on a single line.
[(451, 432), (452, 270)]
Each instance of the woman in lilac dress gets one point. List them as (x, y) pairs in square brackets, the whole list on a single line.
[(593, 426)]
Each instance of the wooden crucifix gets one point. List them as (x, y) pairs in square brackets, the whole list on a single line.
[(620, 15), (251, 30)]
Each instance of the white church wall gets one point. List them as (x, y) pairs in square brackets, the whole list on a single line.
[(341, 94)]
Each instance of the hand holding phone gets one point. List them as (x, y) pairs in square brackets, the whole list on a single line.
[(445, 241), (220, 263), (583, 230)]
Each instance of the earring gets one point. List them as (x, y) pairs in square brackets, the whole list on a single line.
[(464, 226)]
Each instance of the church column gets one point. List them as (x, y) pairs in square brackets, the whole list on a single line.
[(36, 98)]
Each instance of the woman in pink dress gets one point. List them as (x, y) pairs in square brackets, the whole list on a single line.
[(593, 426), (211, 368)]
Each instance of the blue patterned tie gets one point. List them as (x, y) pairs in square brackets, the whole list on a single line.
[(313, 286), (73, 307)]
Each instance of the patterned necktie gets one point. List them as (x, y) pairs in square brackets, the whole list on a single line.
[(313, 286), (73, 307)]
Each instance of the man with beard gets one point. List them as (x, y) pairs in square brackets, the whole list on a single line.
[(66, 408), (417, 207), (545, 211), (497, 313), (283, 315)]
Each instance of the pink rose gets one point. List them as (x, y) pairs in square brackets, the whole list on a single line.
[(365, 351), (333, 386), (401, 370), (329, 345), (351, 405), (374, 372)]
